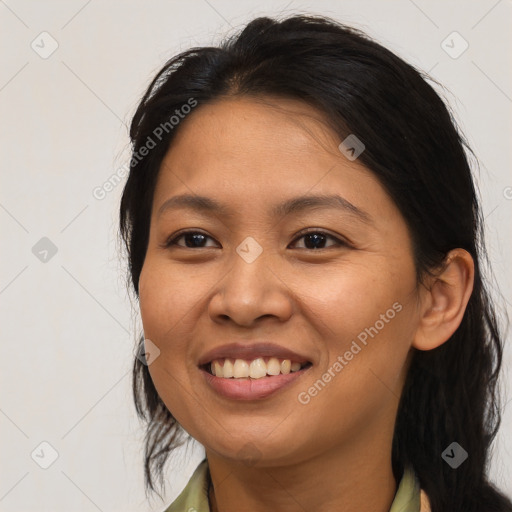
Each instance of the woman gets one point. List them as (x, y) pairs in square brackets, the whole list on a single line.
[(304, 241)]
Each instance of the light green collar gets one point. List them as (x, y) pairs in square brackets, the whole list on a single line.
[(194, 498)]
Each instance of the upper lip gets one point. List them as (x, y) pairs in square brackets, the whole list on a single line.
[(251, 351)]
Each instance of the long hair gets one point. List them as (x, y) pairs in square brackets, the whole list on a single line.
[(413, 146)]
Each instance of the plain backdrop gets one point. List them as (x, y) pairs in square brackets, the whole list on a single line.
[(72, 73)]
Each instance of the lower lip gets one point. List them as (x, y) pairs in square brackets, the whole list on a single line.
[(251, 389)]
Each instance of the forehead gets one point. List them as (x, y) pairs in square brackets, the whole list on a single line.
[(246, 151), (255, 137), (255, 127)]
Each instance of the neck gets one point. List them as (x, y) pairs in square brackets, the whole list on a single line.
[(354, 478)]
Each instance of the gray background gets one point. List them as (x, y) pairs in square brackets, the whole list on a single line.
[(68, 324)]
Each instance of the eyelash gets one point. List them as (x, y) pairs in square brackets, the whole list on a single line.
[(174, 238)]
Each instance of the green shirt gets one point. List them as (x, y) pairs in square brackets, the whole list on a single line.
[(194, 498)]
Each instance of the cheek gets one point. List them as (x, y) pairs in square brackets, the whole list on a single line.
[(366, 333), (152, 300), (171, 299), (365, 314), (165, 298), (354, 297), (164, 305)]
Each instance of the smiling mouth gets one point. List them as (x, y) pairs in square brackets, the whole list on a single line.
[(258, 368)]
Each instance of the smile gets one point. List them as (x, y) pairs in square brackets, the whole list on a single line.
[(259, 378)]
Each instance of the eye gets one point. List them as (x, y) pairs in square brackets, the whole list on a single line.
[(314, 240), (195, 238)]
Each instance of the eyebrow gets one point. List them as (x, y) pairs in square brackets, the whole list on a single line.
[(293, 205)]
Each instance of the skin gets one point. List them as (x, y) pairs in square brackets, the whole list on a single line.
[(333, 453)]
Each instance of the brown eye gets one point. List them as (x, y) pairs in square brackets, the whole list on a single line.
[(315, 240), (193, 239)]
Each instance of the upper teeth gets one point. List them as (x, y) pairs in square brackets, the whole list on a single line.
[(240, 368)]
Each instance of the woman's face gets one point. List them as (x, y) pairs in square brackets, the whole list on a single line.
[(342, 297)]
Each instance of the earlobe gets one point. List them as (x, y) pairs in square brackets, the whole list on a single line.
[(444, 302)]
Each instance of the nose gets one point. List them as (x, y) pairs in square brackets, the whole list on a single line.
[(251, 291)]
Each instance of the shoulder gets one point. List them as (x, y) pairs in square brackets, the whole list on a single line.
[(194, 496)]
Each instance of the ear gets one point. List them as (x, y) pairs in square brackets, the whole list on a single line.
[(443, 301)]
